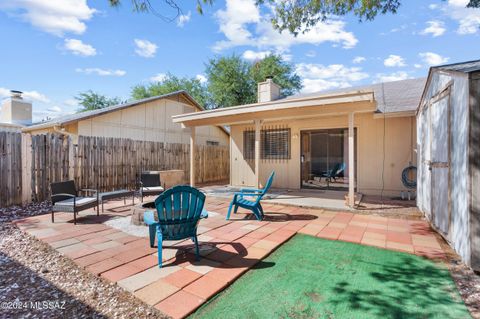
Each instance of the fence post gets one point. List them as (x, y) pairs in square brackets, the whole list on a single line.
[(71, 159), (26, 168)]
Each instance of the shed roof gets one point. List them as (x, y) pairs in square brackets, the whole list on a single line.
[(466, 67)]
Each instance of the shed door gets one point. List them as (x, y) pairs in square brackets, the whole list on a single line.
[(425, 176), (440, 150)]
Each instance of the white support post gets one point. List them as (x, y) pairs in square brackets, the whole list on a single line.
[(351, 161), (192, 156), (258, 125)]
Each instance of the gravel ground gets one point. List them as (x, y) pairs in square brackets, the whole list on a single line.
[(125, 224), (467, 281), (44, 284), (38, 282)]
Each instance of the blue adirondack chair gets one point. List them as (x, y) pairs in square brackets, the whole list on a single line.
[(253, 204), (334, 172), (179, 210)]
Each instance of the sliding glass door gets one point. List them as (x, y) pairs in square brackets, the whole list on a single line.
[(325, 159)]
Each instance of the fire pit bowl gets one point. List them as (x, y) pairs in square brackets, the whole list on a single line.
[(138, 210)]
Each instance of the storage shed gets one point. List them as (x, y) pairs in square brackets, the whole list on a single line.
[(448, 151)]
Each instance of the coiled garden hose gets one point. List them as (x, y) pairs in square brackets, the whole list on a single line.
[(407, 182)]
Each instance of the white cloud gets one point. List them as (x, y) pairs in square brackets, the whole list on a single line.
[(417, 65), (28, 95), (433, 6), (468, 19), (394, 61), (202, 78), (101, 72), (359, 59), (435, 28), (287, 57), (53, 16), (431, 58), (242, 24), (36, 96), (71, 102), (4, 92), (159, 77), (329, 31), (42, 114), (253, 56), (55, 109), (77, 47), (318, 77), (183, 18), (395, 76), (233, 23), (311, 54), (400, 28), (469, 25), (145, 48)]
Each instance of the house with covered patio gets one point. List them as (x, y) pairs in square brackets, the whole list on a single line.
[(354, 140)]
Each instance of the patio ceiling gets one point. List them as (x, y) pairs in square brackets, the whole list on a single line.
[(322, 105)]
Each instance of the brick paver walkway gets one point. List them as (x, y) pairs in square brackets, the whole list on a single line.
[(229, 248)]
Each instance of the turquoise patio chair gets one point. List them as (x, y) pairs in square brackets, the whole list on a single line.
[(334, 172), (179, 210), (253, 204)]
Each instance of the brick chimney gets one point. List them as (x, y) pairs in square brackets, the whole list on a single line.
[(15, 110), (268, 91)]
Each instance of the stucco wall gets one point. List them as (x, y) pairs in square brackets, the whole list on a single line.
[(148, 122), (400, 135), (458, 233)]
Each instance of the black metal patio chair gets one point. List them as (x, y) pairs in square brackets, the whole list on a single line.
[(150, 184), (65, 199)]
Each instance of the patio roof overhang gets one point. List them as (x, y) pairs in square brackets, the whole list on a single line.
[(333, 104), (321, 105)]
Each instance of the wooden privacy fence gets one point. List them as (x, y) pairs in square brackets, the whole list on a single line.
[(49, 162), (10, 168), (30, 163), (109, 163)]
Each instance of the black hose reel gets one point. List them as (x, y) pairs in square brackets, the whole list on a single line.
[(409, 182)]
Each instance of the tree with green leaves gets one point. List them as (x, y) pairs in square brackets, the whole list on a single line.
[(230, 81), (90, 100), (171, 83), (282, 72), (233, 81), (295, 16)]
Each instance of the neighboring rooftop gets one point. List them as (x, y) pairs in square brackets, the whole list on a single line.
[(62, 120), (467, 67), (391, 97)]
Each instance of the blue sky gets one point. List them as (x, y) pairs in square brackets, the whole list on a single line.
[(52, 50)]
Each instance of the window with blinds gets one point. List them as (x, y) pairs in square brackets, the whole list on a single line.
[(249, 144), (274, 144)]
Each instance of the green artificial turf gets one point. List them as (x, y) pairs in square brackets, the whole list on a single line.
[(309, 277)]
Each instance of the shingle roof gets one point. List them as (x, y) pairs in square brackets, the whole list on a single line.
[(61, 120), (467, 67), (391, 97)]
